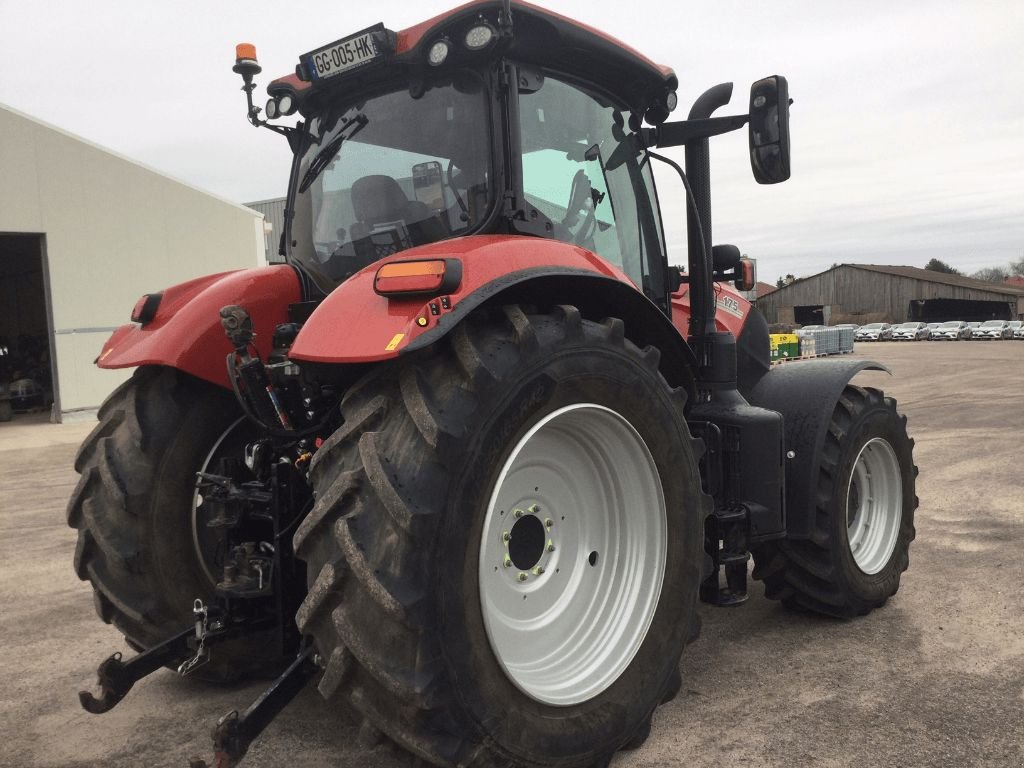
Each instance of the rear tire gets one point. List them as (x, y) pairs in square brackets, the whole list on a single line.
[(133, 509), (413, 497), (864, 518)]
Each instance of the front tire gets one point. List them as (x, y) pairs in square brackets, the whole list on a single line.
[(530, 460), (864, 518)]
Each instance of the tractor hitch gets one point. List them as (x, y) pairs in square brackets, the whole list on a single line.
[(235, 732), (186, 651), (116, 677)]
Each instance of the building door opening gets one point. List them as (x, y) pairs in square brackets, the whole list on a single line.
[(810, 315), (939, 310), (26, 335)]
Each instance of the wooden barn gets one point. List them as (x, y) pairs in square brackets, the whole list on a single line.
[(865, 293)]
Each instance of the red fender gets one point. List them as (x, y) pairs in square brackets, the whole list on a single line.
[(186, 332), (356, 325)]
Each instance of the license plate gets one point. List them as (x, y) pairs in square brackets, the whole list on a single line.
[(342, 56)]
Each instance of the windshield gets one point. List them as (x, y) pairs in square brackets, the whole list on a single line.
[(908, 325), (388, 173), (951, 324), (993, 324), (872, 327)]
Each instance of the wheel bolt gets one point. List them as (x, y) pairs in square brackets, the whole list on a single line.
[(533, 509), (551, 546), (549, 523), (517, 513), (538, 571), (507, 562), (522, 576), (505, 536)]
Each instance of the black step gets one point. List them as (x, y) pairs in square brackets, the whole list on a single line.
[(731, 558)]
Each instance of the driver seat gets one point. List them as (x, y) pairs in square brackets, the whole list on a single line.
[(387, 221)]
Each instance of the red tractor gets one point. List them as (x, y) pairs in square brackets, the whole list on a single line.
[(471, 456)]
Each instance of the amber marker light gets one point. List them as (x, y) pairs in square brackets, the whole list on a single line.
[(245, 61), (245, 51), (418, 278)]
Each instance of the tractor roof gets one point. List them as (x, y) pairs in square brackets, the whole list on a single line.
[(540, 37)]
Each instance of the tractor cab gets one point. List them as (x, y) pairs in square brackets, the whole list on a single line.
[(485, 120)]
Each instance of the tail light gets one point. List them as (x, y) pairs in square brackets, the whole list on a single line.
[(425, 277)]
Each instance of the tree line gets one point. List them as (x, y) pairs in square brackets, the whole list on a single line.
[(991, 274)]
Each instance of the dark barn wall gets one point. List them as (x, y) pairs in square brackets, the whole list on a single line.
[(864, 295)]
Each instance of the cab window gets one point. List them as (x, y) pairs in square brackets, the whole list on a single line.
[(580, 172)]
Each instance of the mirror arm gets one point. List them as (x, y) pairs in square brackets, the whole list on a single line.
[(678, 133)]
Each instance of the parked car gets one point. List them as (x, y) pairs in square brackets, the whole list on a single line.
[(874, 332), (951, 330), (971, 326), (1015, 326), (993, 329), (910, 332), (1019, 332)]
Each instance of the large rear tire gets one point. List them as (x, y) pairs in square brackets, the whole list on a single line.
[(140, 544), (505, 547), (864, 517)]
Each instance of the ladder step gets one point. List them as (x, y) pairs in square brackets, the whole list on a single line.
[(730, 516), (733, 558)]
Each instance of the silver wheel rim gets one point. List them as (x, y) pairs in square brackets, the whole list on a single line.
[(197, 501), (572, 554), (874, 506)]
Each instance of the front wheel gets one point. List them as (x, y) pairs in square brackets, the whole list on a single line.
[(504, 552), (863, 522)]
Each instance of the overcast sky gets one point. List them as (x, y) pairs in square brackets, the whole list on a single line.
[(907, 125)]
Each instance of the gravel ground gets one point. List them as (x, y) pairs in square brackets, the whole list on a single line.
[(935, 678)]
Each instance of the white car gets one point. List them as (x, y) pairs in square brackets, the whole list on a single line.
[(1018, 330), (951, 330), (910, 332), (993, 329), (874, 332)]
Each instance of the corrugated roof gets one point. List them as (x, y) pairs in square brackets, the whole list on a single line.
[(959, 281)]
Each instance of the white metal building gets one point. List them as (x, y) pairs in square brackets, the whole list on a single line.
[(84, 233)]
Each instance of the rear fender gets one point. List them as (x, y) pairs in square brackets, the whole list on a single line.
[(805, 393), (186, 332), (356, 325)]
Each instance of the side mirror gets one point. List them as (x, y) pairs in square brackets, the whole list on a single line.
[(729, 264), (746, 275), (769, 129), (428, 184)]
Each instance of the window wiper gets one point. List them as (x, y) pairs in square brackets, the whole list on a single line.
[(327, 154)]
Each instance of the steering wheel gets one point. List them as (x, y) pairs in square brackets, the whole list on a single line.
[(449, 172), (580, 194)]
